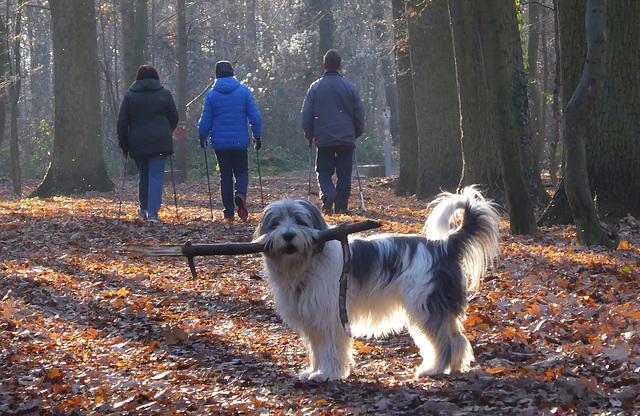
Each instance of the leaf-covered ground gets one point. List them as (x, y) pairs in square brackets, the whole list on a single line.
[(86, 328)]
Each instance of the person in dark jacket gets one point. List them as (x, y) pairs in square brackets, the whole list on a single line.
[(227, 107), (147, 118), (333, 117)]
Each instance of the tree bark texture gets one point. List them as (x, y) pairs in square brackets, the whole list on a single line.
[(613, 133), (77, 163), (436, 99), (502, 57), (408, 134), (579, 109), (613, 140), (479, 152)]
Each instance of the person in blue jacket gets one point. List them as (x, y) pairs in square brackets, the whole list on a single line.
[(333, 117), (227, 107), (146, 120)]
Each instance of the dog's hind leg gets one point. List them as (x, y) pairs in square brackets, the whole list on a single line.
[(462, 353), (433, 335)]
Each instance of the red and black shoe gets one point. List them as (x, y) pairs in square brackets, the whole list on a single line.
[(241, 203)]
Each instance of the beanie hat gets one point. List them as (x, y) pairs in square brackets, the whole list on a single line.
[(224, 69)]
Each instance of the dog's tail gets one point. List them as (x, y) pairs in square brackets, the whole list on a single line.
[(475, 240)]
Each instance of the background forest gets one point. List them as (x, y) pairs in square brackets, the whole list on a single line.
[(486, 93), (537, 102)]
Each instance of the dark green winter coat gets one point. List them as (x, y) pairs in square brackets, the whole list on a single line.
[(147, 118)]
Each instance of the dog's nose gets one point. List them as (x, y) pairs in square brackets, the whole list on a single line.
[(288, 236)]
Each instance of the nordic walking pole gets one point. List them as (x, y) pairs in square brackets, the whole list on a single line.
[(355, 159), (173, 181), (124, 169), (310, 161), (206, 164), (260, 177)]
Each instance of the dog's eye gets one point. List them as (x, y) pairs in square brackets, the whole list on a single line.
[(300, 222), (275, 223)]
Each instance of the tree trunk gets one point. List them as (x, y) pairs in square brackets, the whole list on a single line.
[(437, 108), (323, 15), (77, 163), (612, 141), (555, 105), (181, 145), (127, 14), (408, 133), (386, 66), (535, 93), (502, 57), (580, 107), (15, 85), (4, 59), (479, 151)]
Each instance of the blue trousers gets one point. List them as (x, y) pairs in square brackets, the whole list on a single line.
[(150, 174), (232, 162), (338, 161)]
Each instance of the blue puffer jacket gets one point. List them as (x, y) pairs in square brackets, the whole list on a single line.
[(227, 107)]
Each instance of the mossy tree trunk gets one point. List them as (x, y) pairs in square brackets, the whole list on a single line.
[(480, 157), (436, 99), (77, 163), (506, 86)]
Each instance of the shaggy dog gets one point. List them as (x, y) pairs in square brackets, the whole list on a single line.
[(418, 282)]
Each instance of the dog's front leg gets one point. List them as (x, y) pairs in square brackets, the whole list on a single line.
[(330, 354)]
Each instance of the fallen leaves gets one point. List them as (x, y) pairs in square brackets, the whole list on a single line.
[(86, 329)]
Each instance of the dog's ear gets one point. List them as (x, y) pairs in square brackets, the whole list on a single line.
[(265, 218), (316, 216)]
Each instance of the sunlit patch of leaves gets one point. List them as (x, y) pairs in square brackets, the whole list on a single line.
[(87, 328)]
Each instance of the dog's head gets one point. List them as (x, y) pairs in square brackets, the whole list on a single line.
[(289, 230)]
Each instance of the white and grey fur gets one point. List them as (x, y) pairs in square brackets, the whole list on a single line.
[(418, 282)]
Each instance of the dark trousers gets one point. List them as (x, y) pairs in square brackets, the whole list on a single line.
[(339, 162), (232, 162)]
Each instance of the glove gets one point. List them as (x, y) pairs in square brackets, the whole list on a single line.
[(203, 143), (257, 143)]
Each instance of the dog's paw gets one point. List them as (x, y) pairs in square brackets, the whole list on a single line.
[(305, 374), (321, 377), (430, 372)]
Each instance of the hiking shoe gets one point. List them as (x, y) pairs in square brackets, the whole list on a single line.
[(327, 205), (342, 211), (142, 214), (241, 203), (155, 220)]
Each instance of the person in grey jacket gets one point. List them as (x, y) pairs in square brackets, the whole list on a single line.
[(147, 118), (333, 117)]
